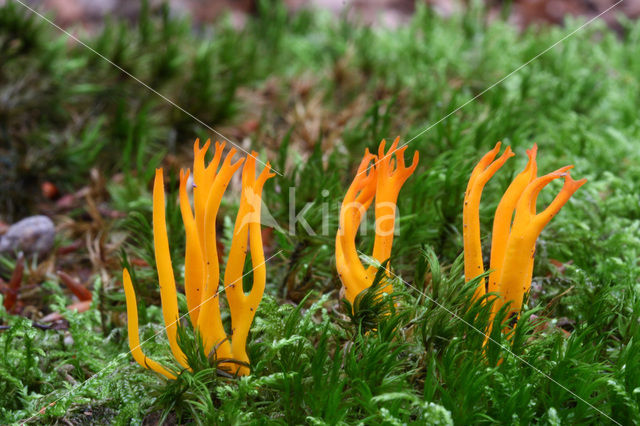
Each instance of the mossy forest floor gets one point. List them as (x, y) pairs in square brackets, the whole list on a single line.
[(310, 92)]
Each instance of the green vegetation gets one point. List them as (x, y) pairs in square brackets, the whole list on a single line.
[(311, 92)]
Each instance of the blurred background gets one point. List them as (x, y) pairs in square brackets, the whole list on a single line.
[(385, 12)]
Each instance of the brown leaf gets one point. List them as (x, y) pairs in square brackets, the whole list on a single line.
[(80, 291), (14, 284)]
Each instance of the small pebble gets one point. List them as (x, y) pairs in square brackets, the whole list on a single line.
[(32, 235), (68, 339)]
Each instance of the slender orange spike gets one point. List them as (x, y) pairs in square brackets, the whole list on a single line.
[(165, 270), (486, 168), (239, 243), (255, 241), (211, 329), (203, 177), (504, 215), (193, 260), (515, 278), (242, 306), (360, 195), (357, 200), (134, 336), (390, 182)]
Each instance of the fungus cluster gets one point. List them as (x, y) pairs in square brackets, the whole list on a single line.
[(382, 181), (516, 226), (380, 177), (202, 269)]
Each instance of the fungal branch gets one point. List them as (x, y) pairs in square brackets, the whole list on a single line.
[(486, 168), (382, 181), (516, 226), (247, 227), (202, 269), (357, 200)]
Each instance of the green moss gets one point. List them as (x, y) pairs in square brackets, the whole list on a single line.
[(576, 341)]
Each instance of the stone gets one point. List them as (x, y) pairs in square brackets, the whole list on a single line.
[(33, 235)]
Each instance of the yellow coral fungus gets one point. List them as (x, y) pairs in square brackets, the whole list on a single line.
[(516, 226), (202, 270), (382, 180)]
